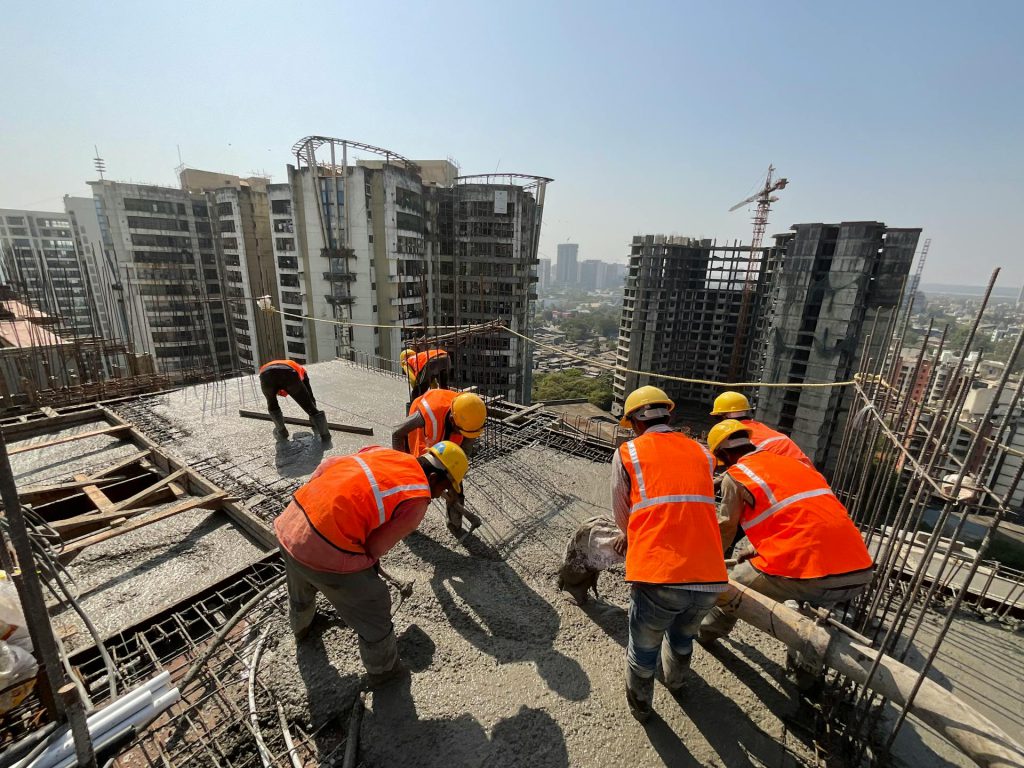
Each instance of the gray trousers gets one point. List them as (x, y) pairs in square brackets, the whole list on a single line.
[(362, 600), (826, 592)]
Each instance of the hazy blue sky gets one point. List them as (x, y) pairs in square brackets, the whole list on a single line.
[(651, 117)]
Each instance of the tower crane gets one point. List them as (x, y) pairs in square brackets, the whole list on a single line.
[(764, 198)]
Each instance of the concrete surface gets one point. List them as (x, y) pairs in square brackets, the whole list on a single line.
[(506, 670)]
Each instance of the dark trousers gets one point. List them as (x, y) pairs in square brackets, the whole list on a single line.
[(279, 377)]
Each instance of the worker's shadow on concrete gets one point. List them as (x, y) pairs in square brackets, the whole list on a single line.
[(299, 455), (757, 675), (394, 734), (743, 743), (612, 618), (504, 617), (667, 744), (329, 693)]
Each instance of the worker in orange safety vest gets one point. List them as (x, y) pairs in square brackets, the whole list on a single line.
[(663, 499), (353, 510), (283, 378), (801, 544), (734, 405), (443, 414), (425, 369)]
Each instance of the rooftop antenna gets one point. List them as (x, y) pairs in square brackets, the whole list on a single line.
[(99, 163)]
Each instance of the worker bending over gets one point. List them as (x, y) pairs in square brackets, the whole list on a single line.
[(353, 510), (803, 545), (284, 378), (733, 405), (424, 369), (441, 414), (663, 497)]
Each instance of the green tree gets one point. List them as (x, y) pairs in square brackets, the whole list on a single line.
[(573, 383)]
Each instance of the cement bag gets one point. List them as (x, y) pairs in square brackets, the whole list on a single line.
[(12, 619), (588, 552)]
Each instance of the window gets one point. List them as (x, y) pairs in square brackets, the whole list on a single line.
[(285, 243), (290, 281), (283, 225), (297, 347), (161, 241), (291, 297), (157, 222), (16, 220), (287, 262), (409, 221), (199, 210), (229, 242), (153, 206), (225, 209), (228, 225), (293, 331), (281, 206)]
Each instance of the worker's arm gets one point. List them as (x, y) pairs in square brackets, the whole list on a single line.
[(620, 502), (404, 520), (400, 437), (469, 446), (730, 509)]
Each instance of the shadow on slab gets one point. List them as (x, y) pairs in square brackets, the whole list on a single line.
[(300, 455), (394, 734), (329, 694), (503, 617)]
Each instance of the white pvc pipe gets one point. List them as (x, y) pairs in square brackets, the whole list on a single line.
[(100, 721)]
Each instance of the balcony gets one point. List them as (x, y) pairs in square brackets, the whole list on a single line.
[(340, 277)]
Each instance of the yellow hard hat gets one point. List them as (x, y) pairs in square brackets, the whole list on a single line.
[(469, 414), (730, 402), (453, 459), (724, 430), (641, 398), (406, 354)]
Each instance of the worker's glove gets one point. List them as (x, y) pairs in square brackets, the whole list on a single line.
[(619, 544)]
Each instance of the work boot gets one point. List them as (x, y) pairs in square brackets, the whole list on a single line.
[(639, 695), (280, 430), (673, 669), (318, 421), (379, 679)]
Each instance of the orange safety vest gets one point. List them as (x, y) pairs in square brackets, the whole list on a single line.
[(434, 406), (798, 527), (291, 364), (416, 363), (673, 531), (767, 439), (359, 493)]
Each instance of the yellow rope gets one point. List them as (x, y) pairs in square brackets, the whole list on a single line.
[(589, 361)]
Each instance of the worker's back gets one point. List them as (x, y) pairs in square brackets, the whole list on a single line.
[(773, 441), (797, 525), (673, 531)]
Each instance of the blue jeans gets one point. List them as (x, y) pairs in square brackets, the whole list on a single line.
[(663, 612)]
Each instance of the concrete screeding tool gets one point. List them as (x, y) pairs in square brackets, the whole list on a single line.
[(474, 523), (404, 587), (300, 422)]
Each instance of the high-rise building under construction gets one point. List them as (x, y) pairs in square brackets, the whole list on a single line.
[(837, 282), (690, 309)]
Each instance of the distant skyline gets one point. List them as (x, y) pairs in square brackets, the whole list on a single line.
[(653, 117)]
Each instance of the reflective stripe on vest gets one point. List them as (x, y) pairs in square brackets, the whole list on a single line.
[(772, 441), (797, 525), (646, 501), (434, 406), (672, 530), (359, 493)]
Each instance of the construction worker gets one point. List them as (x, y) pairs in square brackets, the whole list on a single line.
[(802, 544), (353, 510), (734, 405), (283, 378), (425, 369), (663, 497), (441, 414)]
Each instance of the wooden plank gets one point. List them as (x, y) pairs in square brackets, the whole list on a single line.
[(34, 427), (37, 493), (99, 499), (246, 520), (68, 439), (122, 464), (75, 547), (146, 492), (305, 423)]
